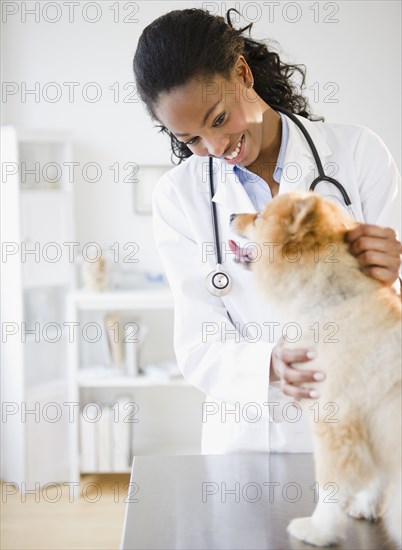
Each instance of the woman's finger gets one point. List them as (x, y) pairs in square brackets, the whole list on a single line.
[(373, 258), (290, 355), (292, 375), (299, 393), (283, 357), (365, 243), (370, 230), (382, 274), (377, 250), (292, 378)]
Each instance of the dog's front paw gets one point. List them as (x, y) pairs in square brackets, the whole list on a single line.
[(304, 529), (363, 507)]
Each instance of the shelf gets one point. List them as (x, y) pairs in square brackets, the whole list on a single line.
[(106, 380), (144, 298), (50, 333), (104, 472), (49, 387), (26, 135), (45, 192)]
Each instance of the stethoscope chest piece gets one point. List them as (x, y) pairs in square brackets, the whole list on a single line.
[(218, 282)]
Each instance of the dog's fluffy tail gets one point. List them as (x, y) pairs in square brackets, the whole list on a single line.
[(393, 513)]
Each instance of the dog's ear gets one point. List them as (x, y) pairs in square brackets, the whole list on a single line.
[(304, 210)]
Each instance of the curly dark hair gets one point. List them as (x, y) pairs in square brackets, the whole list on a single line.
[(192, 37)]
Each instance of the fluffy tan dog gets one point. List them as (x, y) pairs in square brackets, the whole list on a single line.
[(354, 322)]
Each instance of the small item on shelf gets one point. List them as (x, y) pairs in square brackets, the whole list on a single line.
[(134, 336), (88, 444), (114, 339), (155, 278), (104, 440), (129, 278), (131, 348), (121, 437), (94, 275)]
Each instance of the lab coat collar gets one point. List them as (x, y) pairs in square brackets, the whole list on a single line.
[(298, 172), (299, 166), (296, 137), (230, 191)]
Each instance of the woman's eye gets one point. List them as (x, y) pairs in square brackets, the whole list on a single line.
[(219, 120), (192, 141)]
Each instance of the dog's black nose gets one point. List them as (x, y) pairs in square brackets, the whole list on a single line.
[(232, 217)]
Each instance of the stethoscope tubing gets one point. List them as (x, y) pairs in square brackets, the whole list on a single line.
[(322, 176), (214, 214)]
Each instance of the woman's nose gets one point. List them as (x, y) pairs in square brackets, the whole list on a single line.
[(217, 146)]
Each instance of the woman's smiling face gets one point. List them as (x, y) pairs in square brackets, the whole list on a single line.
[(217, 117)]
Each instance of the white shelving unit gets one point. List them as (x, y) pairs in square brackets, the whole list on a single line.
[(36, 217), (169, 409)]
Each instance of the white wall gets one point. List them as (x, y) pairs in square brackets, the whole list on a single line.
[(360, 53)]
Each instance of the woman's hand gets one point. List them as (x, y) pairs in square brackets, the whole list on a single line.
[(377, 250), (282, 369)]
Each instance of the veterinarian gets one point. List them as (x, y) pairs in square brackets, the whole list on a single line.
[(210, 88)]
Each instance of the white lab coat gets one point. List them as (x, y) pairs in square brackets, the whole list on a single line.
[(232, 366)]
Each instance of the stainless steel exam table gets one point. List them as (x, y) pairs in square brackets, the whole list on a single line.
[(242, 501)]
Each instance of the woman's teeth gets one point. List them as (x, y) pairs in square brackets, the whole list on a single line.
[(235, 152)]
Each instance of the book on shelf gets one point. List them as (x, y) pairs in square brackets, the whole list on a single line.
[(105, 443), (122, 437), (104, 446), (88, 445), (113, 327)]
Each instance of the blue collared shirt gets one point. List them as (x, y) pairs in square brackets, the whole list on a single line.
[(256, 188)]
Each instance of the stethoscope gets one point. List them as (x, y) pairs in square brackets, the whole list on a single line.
[(218, 282)]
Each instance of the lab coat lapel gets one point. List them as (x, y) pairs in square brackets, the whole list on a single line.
[(230, 192), (299, 168)]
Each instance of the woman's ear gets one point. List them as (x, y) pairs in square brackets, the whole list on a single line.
[(244, 72)]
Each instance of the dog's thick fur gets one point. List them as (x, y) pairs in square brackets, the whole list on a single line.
[(307, 270)]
